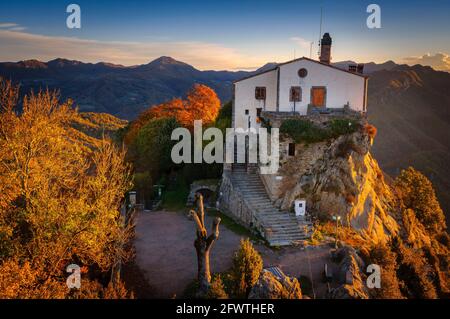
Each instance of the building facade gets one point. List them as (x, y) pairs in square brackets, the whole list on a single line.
[(297, 86)]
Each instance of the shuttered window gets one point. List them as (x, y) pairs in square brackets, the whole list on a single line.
[(295, 94), (260, 93)]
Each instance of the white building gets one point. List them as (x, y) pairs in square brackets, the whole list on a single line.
[(298, 84)]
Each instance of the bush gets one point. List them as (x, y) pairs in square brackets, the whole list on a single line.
[(390, 286), (217, 289), (417, 193), (305, 131), (370, 130), (223, 120), (247, 266), (340, 127), (413, 271)]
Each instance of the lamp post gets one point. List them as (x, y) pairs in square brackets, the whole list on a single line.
[(337, 218)]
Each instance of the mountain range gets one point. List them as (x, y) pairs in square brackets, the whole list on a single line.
[(115, 89), (408, 104)]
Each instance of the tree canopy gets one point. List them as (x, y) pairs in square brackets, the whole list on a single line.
[(60, 195)]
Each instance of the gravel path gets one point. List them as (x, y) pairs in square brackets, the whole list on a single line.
[(165, 253)]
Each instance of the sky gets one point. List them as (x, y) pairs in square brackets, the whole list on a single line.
[(225, 35)]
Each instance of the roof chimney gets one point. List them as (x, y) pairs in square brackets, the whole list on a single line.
[(325, 49)]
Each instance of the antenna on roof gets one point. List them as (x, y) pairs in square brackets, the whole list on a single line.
[(310, 49), (320, 29)]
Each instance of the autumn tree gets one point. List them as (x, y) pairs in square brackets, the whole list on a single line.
[(417, 193), (201, 103), (60, 195)]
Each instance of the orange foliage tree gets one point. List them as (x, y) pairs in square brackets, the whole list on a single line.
[(201, 103), (60, 194)]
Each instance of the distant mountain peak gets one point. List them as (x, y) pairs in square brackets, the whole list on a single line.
[(59, 62), (166, 60), (32, 64)]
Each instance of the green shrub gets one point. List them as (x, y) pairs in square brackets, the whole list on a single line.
[(340, 127), (305, 131), (247, 266)]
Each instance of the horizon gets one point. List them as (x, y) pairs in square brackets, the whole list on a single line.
[(224, 70), (237, 36)]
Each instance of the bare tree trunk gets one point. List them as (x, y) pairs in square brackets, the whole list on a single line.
[(203, 245)]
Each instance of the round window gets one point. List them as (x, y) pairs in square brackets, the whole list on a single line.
[(302, 73)]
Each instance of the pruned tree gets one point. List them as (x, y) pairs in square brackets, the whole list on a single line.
[(203, 244)]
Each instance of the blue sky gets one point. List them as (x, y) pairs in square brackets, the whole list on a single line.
[(224, 34)]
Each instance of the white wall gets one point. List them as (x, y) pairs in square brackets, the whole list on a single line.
[(244, 93), (341, 87)]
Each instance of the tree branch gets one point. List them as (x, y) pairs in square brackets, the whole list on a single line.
[(215, 232), (200, 227)]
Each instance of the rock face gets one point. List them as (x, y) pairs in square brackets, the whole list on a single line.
[(271, 287), (350, 275), (339, 177)]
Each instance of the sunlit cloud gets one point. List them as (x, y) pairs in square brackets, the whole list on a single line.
[(17, 45), (438, 61), (11, 27)]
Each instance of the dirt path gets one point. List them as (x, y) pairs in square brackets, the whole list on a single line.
[(165, 253)]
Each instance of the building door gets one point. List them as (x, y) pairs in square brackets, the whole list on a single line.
[(318, 96)]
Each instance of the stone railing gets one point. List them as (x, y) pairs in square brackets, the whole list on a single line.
[(230, 200), (313, 114)]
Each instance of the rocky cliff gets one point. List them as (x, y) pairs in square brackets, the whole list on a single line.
[(340, 177)]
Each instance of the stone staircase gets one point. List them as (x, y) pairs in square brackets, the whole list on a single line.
[(280, 228)]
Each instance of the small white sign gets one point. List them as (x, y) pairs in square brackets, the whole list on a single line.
[(300, 207)]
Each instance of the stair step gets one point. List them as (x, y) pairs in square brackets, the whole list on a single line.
[(281, 228)]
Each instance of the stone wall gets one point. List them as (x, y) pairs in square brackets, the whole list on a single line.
[(275, 119), (232, 204)]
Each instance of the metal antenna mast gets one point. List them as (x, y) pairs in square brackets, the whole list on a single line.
[(320, 30)]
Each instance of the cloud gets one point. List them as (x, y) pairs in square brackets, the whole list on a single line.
[(17, 29), (301, 42), (17, 45), (438, 61), (8, 25), (11, 27)]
